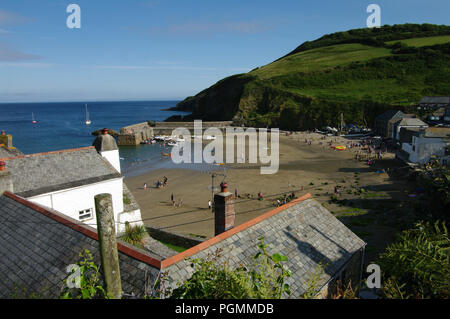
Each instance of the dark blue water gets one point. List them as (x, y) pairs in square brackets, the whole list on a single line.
[(62, 126)]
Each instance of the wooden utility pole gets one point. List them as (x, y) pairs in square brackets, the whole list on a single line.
[(108, 245)]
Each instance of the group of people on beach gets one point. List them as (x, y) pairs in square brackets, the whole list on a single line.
[(160, 183), (285, 199), (174, 204)]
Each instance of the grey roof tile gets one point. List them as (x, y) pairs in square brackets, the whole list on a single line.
[(34, 261), (305, 241), (43, 173)]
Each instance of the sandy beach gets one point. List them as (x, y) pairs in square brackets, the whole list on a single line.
[(316, 168)]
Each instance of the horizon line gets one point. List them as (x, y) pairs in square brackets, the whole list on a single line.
[(94, 101)]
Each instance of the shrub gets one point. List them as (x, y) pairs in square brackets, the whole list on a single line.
[(417, 265), (89, 281), (134, 234), (265, 279)]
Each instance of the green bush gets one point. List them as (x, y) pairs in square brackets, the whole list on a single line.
[(417, 265), (89, 281), (264, 280), (134, 234)]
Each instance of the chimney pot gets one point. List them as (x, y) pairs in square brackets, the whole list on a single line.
[(224, 187), (224, 214)]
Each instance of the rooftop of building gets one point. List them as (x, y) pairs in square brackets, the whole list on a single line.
[(42, 173), (388, 115), (410, 121), (38, 243), (435, 100)]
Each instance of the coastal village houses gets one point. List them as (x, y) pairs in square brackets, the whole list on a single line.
[(433, 103), (35, 253), (68, 180), (384, 122), (419, 146), (406, 122)]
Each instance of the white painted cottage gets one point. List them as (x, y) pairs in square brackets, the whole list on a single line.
[(425, 144), (68, 180)]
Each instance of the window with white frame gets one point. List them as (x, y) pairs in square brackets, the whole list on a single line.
[(85, 214)]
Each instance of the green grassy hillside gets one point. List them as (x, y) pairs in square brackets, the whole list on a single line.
[(320, 59), (423, 42), (360, 73)]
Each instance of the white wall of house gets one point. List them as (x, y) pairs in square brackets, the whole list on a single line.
[(74, 200), (133, 217), (113, 158), (422, 148)]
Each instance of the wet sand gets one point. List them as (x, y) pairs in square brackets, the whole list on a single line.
[(317, 168)]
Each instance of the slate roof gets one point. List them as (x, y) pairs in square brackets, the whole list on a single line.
[(410, 121), (435, 100), (42, 173), (438, 131), (36, 244), (305, 232), (386, 116)]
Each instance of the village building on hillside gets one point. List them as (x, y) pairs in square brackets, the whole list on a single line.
[(433, 103), (68, 181), (36, 253), (406, 122), (384, 122), (419, 146)]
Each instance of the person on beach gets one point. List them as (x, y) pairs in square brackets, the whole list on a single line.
[(171, 199), (260, 196), (278, 203), (209, 204), (166, 181), (145, 186), (180, 202), (235, 193)]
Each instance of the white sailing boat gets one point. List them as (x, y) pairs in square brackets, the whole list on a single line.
[(88, 121)]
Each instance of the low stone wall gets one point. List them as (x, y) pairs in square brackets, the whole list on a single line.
[(174, 238), (135, 134), (174, 125)]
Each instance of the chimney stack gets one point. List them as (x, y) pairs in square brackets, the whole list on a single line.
[(6, 181), (106, 146), (6, 140), (224, 214)]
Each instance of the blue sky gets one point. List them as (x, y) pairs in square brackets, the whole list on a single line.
[(166, 49)]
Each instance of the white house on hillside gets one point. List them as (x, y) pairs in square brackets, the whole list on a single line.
[(68, 181), (425, 144)]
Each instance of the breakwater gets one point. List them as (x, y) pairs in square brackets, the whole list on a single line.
[(136, 133)]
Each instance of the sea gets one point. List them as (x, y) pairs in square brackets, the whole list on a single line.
[(61, 125)]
